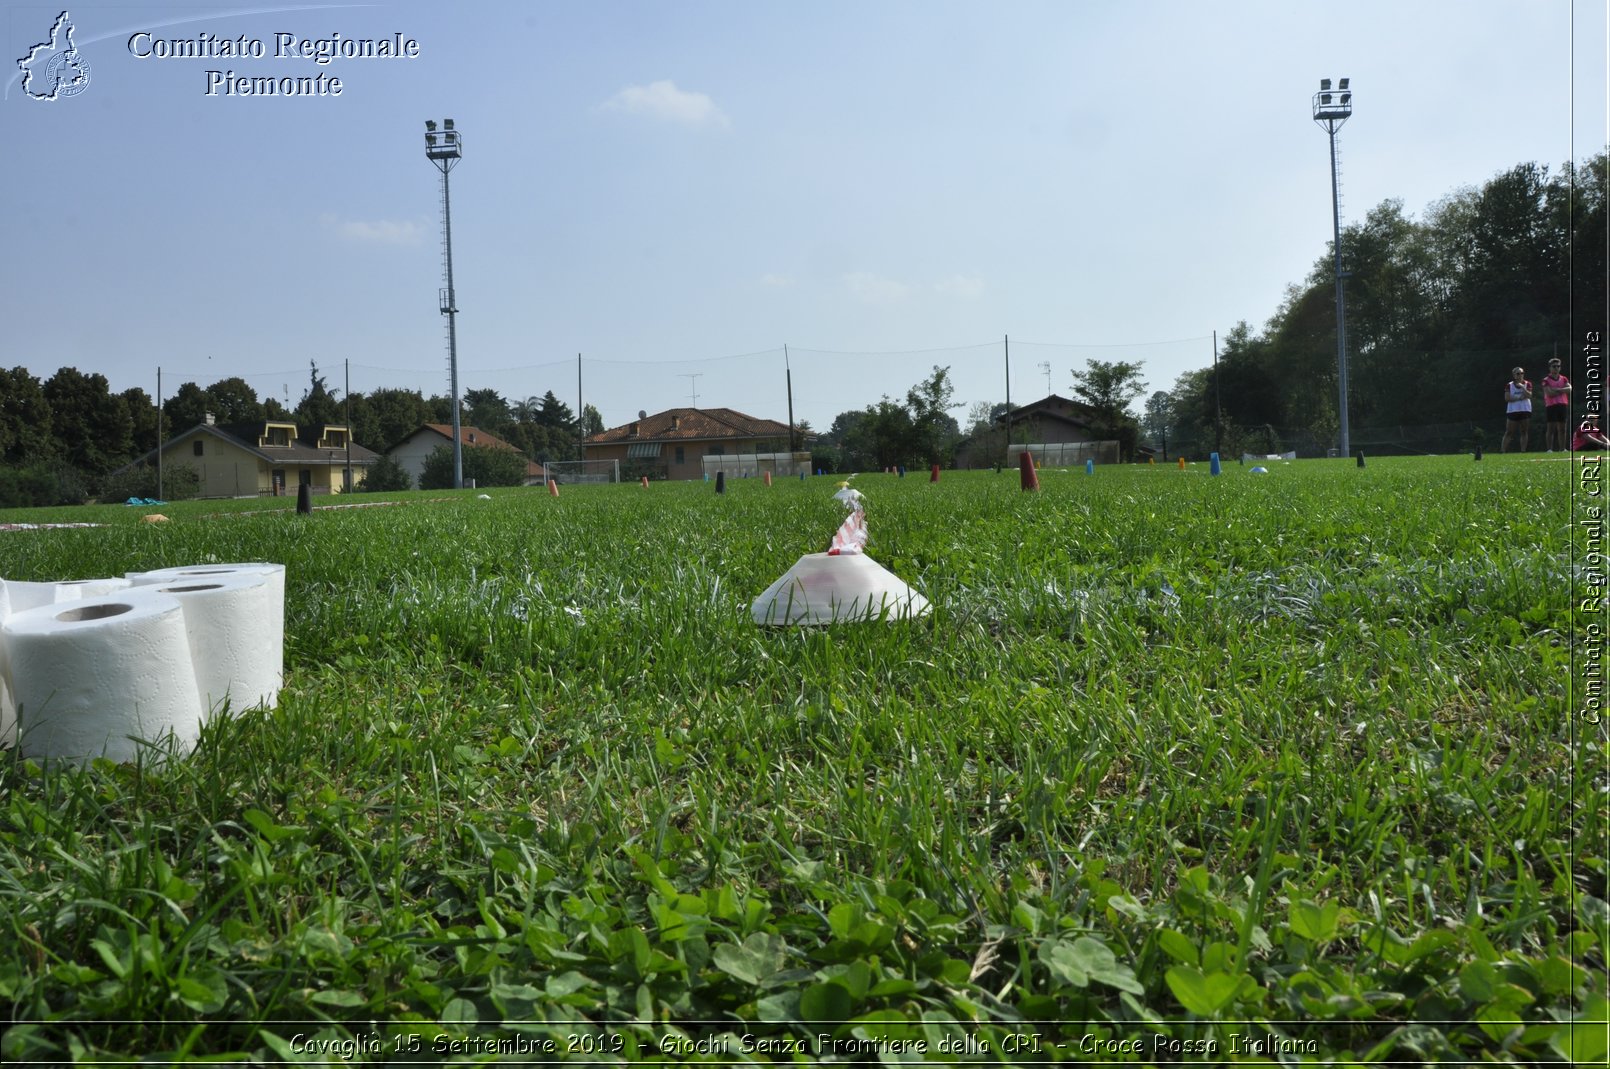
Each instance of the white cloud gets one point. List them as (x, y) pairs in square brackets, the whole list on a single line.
[(776, 281), (964, 287), (663, 100), (378, 231), (875, 289)]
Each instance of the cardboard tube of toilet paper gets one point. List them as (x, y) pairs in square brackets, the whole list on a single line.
[(233, 632), (93, 678)]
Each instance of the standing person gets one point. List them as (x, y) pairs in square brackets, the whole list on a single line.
[(1518, 410), (1588, 436), (1556, 407)]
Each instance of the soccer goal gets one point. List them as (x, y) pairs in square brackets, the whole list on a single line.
[(581, 471)]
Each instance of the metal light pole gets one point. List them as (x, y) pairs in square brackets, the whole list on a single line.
[(444, 149), (1331, 109)]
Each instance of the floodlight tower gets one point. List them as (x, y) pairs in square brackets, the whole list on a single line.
[(1331, 109), (444, 148)]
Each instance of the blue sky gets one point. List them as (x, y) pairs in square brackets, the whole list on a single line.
[(677, 190)]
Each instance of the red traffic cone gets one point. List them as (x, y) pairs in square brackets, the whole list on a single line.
[(645, 482), (553, 488), (933, 476), (1025, 464), (768, 478)]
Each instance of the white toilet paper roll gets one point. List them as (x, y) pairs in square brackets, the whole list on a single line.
[(79, 589), (93, 677), (275, 573), (18, 597), (234, 632)]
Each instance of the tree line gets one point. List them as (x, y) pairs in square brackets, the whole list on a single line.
[(1439, 309), (62, 440)]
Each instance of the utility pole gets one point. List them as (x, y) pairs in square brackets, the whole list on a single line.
[(789, 375), (1006, 352)]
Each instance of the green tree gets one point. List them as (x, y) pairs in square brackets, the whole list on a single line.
[(487, 465), (394, 415), (487, 410), (440, 407), (142, 422), (591, 421), (552, 412), (385, 475), (934, 431), (234, 401), (1108, 388), (188, 406), (26, 433), (92, 425), (318, 404)]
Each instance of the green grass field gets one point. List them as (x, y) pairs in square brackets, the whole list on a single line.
[(1253, 767)]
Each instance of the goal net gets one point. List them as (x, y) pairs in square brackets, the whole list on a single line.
[(581, 471)]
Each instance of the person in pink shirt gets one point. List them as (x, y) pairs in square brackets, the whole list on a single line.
[(1589, 437), (1518, 409), (1556, 407)]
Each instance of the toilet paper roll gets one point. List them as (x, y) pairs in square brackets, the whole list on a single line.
[(275, 574), (95, 677), (79, 589), (234, 631), (20, 596)]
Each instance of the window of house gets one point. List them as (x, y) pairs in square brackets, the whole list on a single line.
[(716, 451), (195, 447), (680, 458)]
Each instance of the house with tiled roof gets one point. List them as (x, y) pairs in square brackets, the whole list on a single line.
[(410, 453), (673, 444), (1056, 429), (266, 457)]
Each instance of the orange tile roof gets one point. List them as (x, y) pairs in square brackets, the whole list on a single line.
[(471, 436), (692, 424), (475, 436)]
